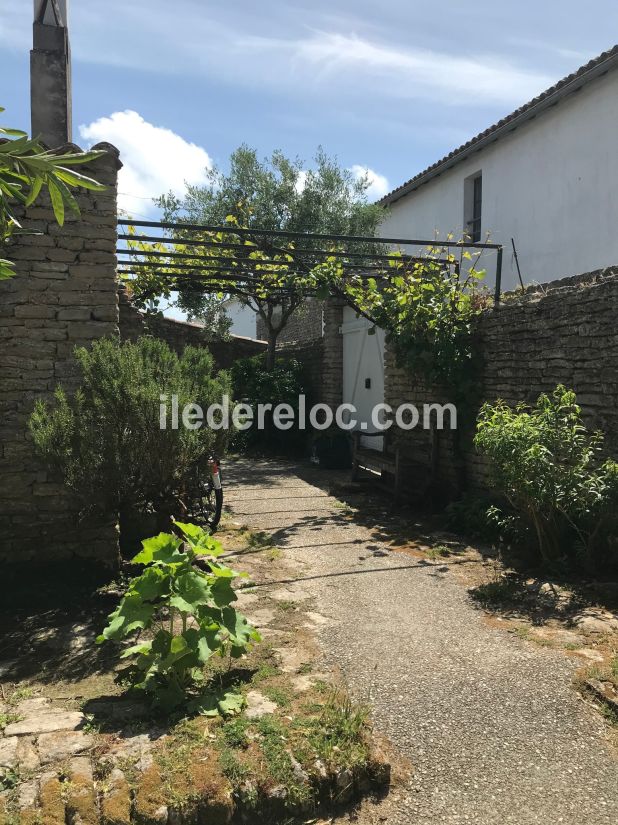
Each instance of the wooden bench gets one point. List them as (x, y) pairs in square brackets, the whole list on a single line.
[(392, 460)]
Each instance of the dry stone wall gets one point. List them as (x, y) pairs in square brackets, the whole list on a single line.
[(562, 332), (63, 295), (179, 334), (305, 324)]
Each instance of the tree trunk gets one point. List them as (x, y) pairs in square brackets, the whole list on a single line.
[(271, 350)]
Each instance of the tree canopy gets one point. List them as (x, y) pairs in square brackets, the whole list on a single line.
[(278, 193), (271, 194)]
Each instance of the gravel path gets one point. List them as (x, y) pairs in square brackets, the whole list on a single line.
[(491, 723)]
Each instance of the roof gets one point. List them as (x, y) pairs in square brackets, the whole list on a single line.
[(573, 83)]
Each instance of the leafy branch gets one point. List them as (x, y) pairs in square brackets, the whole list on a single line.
[(27, 169)]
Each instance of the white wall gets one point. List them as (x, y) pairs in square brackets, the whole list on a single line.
[(363, 362), (243, 319), (552, 185)]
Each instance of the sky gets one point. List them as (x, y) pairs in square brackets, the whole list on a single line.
[(387, 87)]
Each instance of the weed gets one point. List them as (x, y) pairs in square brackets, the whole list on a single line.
[(91, 725), (9, 779), (260, 540), (275, 748), (274, 553), (231, 767), (286, 605), (168, 668), (313, 707), (234, 733), (339, 733), (128, 765), (19, 694), (265, 671), (8, 719), (437, 551), (541, 642), (610, 714), (176, 758), (305, 668), (278, 695)]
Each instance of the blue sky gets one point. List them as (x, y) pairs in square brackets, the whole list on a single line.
[(391, 86)]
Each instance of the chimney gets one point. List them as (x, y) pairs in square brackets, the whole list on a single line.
[(50, 73)]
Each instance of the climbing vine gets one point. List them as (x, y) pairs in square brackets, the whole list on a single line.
[(430, 311)]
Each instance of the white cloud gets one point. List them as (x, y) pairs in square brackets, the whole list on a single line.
[(301, 181), (155, 160), (378, 184), (412, 72)]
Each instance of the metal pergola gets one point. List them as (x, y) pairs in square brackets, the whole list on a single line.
[(365, 256)]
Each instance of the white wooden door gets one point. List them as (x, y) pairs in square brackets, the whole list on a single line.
[(363, 371)]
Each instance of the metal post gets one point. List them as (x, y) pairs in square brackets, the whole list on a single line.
[(521, 280), (50, 73), (498, 277)]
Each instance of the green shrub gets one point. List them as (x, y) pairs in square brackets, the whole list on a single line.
[(188, 615), (548, 467), (107, 441), (254, 385), (468, 517)]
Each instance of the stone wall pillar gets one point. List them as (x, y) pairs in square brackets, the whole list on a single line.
[(63, 295), (332, 372)]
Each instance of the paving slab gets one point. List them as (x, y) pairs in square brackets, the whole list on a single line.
[(258, 705), (46, 721), (60, 745)]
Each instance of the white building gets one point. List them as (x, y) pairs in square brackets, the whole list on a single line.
[(546, 176), (243, 318)]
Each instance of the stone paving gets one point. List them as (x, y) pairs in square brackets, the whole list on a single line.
[(492, 725)]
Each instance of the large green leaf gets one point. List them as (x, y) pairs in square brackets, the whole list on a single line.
[(161, 549), (179, 649), (203, 642), (223, 592), (168, 696), (240, 632), (231, 703), (200, 540), (153, 582), (131, 614), (135, 650), (191, 589)]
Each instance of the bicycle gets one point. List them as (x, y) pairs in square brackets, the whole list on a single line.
[(209, 498)]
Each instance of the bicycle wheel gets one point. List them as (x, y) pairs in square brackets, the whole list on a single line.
[(211, 503)]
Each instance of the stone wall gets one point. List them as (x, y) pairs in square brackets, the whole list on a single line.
[(332, 367), (305, 324), (179, 334), (321, 354), (562, 332), (63, 295)]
